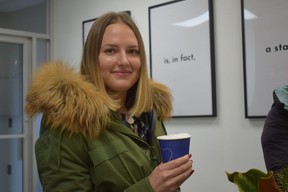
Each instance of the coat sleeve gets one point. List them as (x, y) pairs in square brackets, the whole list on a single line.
[(141, 186), (62, 162)]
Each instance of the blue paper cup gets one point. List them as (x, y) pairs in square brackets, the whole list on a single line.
[(174, 146)]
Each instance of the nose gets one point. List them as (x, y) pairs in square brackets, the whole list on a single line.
[(123, 59)]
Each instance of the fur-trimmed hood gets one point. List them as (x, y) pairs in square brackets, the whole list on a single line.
[(71, 102)]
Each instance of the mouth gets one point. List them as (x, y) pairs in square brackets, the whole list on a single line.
[(122, 73)]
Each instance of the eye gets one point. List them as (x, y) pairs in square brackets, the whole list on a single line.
[(110, 51), (133, 51)]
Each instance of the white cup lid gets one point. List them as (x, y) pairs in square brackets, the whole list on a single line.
[(174, 136)]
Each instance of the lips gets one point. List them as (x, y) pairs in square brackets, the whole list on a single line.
[(122, 73)]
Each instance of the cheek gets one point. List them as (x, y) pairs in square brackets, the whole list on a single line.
[(139, 70), (103, 68), (104, 64), (137, 65)]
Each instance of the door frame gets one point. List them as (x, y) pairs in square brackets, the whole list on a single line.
[(29, 135), (25, 136)]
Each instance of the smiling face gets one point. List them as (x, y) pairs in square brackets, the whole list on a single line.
[(119, 58)]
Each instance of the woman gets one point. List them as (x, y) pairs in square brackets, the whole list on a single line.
[(99, 127)]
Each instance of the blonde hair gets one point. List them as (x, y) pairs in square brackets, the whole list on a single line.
[(139, 98)]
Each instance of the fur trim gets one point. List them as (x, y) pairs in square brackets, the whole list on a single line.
[(71, 103), (67, 100)]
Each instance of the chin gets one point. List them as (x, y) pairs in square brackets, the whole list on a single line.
[(121, 89), (121, 86)]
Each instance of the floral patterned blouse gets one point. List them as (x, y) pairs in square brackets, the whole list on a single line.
[(136, 124)]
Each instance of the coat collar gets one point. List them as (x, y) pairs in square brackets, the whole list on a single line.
[(72, 103)]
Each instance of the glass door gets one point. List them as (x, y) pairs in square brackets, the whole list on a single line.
[(14, 134)]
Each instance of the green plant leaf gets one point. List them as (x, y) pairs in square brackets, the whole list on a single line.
[(253, 180)]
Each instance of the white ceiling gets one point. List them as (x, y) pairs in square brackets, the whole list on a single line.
[(14, 5)]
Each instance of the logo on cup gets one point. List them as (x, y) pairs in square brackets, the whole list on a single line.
[(168, 153), (174, 146)]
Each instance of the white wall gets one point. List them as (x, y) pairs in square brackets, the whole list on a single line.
[(228, 142)]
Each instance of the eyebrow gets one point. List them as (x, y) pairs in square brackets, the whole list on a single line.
[(114, 45)]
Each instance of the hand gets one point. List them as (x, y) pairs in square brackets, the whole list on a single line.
[(167, 177)]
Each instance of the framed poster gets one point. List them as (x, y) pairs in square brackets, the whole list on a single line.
[(182, 54), (87, 24), (265, 53)]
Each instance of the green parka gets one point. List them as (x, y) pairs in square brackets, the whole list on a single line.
[(70, 157)]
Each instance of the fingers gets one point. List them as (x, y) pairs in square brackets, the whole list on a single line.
[(181, 178), (184, 169), (177, 162), (181, 168), (169, 176)]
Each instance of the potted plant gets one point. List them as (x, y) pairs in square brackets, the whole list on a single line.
[(255, 180)]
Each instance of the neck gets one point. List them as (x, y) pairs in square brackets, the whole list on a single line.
[(122, 99)]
